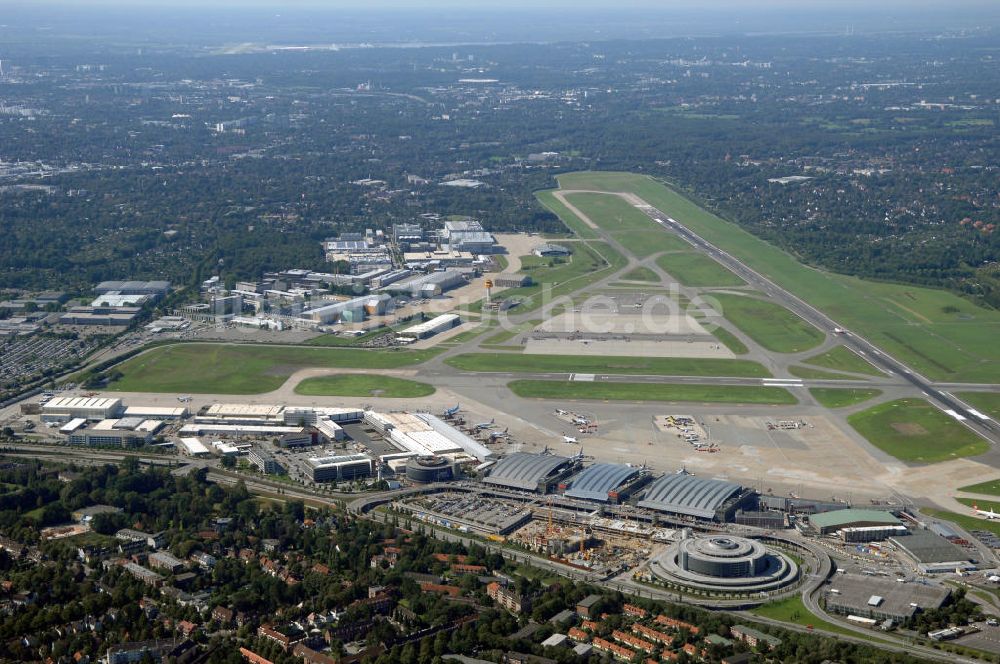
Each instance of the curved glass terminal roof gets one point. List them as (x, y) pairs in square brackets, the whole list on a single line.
[(687, 494), (595, 482), (524, 471)]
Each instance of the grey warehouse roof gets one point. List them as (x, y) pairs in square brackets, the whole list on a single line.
[(595, 482), (524, 471), (687, 494)]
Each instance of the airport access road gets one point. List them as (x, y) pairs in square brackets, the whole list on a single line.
[(987, 428)]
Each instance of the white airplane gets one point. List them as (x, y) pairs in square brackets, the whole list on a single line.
[(570, 439), (486, 425), (991, 515)]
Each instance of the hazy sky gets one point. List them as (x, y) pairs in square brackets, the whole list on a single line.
[(468, 5)]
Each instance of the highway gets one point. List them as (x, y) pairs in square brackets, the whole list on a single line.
[(985, 427)]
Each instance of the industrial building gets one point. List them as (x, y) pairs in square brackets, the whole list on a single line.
[(237, 430), (881, 599), (694, 496), (61, 409), (467, 235), (431, 327), (831, 522), (606, 482), (546, 250), (429, 469), (154, 288), (157, 412), (112, 433), (525, 471), (340, 468), (194, 447), (422, 434), (310, 416), (428, 285), (354, 310), (238, 413), (932, 553), (107, 316)]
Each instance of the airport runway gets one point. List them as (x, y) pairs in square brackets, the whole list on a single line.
[(948, 403)]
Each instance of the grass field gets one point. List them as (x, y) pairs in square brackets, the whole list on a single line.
[(985, 505), (662, 366), (772, 326), (641, 274), (937, 333), (990, 488), (841, 358), (729, 340), (559, 389), (691, 268), (835, 397), (914, 430), (809, 372), (507, 334), (574, 223), (203, 368), (792, 610), (363, 385), (987, 403), (626, 224)]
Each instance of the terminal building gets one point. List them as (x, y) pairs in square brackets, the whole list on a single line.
[(606, 482), (686, 495), (525, 471)]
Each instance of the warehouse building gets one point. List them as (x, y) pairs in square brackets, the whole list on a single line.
[(431, 327), (194, 447), (831, 522), (310, 416), (428, 285), (606, 482), (354, 310), (154, 288), (340, 468), (157, 412), (62, 409), (237, 430), (881, 599), (546, 250), (525, 471), (932, 553), (688, 495), (239, 413)]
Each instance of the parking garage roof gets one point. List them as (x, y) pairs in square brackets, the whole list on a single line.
[(523, 470), (687, 494), (595, 482)]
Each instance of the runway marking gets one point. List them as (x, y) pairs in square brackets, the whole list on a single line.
[(782, 382), (952, 413), (979, 415), (582, 378)]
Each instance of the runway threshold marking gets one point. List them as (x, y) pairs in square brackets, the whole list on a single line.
[(951, 413), (978, 415)]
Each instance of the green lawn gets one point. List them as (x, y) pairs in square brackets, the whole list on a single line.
[(203, 368), (641, 274), (729, 340), (809, 372), (938, 333), (990, 488), (663, 366), (363, 385), (987, 403), (639, 234), (772, 326), (792, 610), (836, 397), (506, 335), (841, 358), (696, 269), (571, 221), (985, 505), (914, 430), (559, 389)]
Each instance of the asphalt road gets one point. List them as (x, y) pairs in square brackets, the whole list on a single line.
[(986, 428)]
